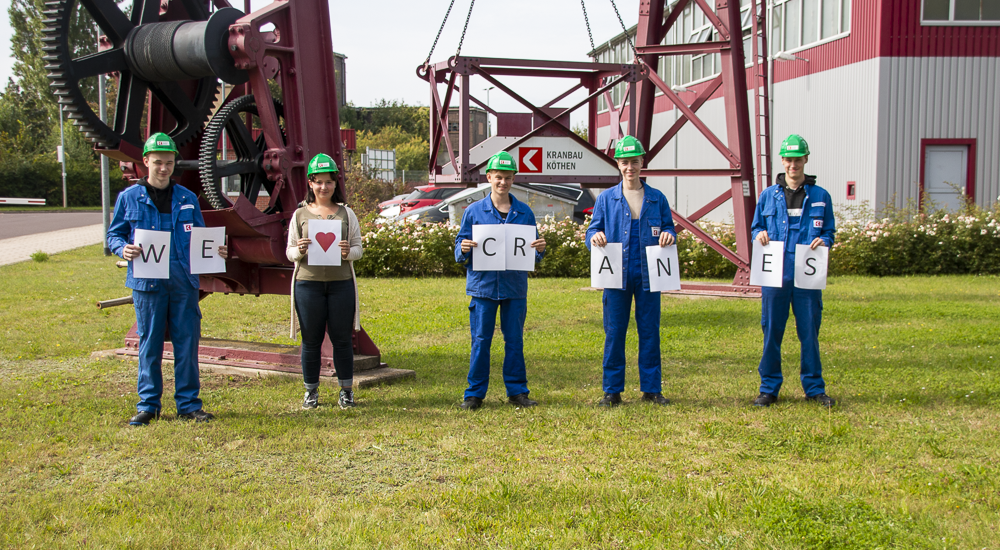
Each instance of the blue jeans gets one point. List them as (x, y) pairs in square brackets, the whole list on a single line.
[(173, 305), (483, 322), (807, 305), (326, 307)]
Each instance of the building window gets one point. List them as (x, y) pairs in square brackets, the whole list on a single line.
[(961, 12), (851, 191), (799, 24)]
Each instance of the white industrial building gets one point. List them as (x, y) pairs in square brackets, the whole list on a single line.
[(898, 99)]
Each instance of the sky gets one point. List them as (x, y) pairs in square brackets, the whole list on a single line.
[(385, 40)]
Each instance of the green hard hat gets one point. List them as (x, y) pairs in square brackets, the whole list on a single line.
[(321, 163), (159, 143), (502, 161), (794, 146), (628, 147)]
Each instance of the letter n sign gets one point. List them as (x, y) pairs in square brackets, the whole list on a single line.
[(529, 160)]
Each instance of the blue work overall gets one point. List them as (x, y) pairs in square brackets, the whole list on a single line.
[(807, 305), (169, 304), (492, 290), (617, 306)]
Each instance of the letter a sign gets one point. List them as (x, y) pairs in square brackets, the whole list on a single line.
[(530, 160)]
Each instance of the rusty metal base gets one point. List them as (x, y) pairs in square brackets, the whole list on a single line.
[(251, 358), (718, 290)]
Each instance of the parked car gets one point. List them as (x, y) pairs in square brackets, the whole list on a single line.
[(583, 197), (426, 195), (382, 206), (435, 213)]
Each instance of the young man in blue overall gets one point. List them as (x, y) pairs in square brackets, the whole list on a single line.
[(493, 290), (795, 211), (636, 215), (157, 203)]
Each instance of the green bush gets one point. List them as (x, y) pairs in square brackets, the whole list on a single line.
[(903, 243), (413, 250)]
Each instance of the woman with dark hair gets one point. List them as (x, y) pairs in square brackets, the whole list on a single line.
[(325, 298)]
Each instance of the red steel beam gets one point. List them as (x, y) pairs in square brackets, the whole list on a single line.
[(705, 94)]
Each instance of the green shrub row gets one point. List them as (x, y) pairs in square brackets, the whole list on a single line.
[(413, 250), (903, 244)]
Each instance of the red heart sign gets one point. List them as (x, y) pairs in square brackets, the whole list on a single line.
[(325, 240)]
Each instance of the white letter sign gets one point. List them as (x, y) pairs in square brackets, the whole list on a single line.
[(491, 254), (154, 260), (520, 255), (810, 266), (325, 246), (205, 243), (606, 266), (767, 263), (664, 268)]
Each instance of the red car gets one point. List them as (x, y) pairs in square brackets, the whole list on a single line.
[(426, 195)]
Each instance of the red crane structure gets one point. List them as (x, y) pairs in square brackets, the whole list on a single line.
[(522, 134), (167, 57)]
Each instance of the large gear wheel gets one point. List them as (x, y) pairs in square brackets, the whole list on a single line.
[(248, 164), (190, 102)]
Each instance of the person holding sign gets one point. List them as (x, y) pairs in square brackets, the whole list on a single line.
[(796, 211), (325, 296), (635, 216), (493, 290), (166, 296)]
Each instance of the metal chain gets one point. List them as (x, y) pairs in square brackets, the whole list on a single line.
[(466, 27), (628, 38), (587, 21), (434, 45)]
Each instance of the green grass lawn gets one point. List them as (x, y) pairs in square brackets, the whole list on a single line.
[(910, 457)]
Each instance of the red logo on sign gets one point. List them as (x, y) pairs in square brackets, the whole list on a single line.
[(529, 159)]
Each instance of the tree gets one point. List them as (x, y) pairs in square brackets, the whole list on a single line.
[(410, 119), (27, 22)]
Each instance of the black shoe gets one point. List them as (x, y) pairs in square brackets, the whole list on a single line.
[(765, 400), (610, 400), (346, 400), (198, 416), (143, 418), (655, 398), (822, 399), (522, 400), (471, 403), (311, 400)]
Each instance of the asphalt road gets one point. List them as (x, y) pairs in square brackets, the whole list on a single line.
[(20, 224)]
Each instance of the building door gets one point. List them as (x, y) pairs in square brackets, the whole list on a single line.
[(946, 168)]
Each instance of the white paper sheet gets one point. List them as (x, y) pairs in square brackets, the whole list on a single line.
[(606, 266), (767, 263), (811, 266), (664, 268), (205, 243), (325, 246), (154, 260), (520, 255), (491, 254)]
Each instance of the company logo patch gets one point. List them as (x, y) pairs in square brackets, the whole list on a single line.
[(656, 231), (817, 223), (165, 143), (187, 227), (504, 162), (792, 147), (628, 148), (819, 204), (187, 207), (323, 164)]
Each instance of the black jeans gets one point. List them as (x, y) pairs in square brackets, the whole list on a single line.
[(326, 307)]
